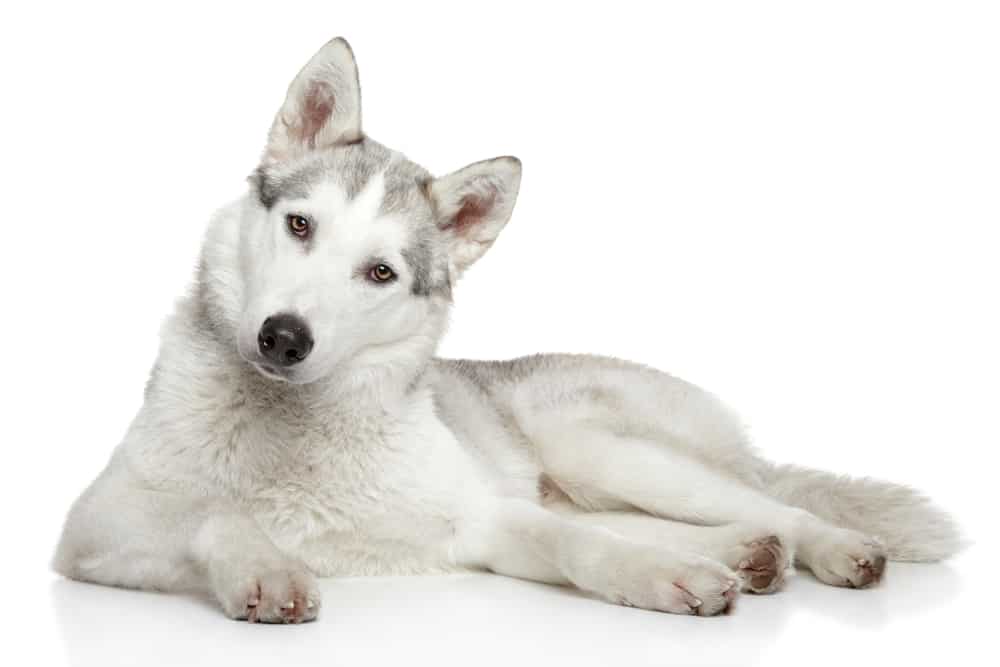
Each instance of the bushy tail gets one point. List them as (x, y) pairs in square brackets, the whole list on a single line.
[(910, 526)]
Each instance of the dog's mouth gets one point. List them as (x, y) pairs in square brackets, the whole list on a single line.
[(272, 372), (265, 367)]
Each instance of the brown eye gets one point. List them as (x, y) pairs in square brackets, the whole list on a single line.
[(298, 225), (381, 273)]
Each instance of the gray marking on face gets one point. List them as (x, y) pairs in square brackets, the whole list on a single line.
[(352, 167), (419, 257), (426, 257), (425, 254), (404, 188), (271, 186), (404, 198), (359, 164)]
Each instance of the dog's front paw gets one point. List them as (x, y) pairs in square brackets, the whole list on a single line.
[(848, 558), (285, 593), (674, 583)]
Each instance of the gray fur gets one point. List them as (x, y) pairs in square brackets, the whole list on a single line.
[(373, 457), (349, 165), (419, 257), (271, 187), (352, 166)]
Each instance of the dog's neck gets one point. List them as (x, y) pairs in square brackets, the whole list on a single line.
[(352, 391)]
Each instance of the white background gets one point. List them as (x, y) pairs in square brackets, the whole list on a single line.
[(793, 204)]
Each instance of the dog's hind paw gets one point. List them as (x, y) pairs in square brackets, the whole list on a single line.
[(762, 565), (848, 559), (671, 582)]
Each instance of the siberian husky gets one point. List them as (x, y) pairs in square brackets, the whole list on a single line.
[(297, 424)]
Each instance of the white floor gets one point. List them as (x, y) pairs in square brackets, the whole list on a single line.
[(792, 204), (916, 617)]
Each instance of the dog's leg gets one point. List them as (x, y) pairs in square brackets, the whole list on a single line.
[(599, 470), (121, 534), (521, 539), (757, 555)]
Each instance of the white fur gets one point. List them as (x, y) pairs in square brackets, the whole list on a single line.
[(375, 458)]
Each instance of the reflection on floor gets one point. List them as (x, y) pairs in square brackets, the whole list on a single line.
[(483, 619)]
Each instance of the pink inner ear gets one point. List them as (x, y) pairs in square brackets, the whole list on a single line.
[(317, 107), (474, 208)]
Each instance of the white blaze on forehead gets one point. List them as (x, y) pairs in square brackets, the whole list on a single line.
[(364, 206), (367, 203), (354, 221)]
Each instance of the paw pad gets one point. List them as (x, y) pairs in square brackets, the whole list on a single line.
[(763, 567), (870, 572)]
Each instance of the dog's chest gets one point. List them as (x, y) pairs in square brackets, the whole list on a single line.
[(382, 490)]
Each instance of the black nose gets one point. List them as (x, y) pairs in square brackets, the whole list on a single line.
[(285, 339)]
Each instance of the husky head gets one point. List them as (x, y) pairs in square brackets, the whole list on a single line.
[(345, 251)]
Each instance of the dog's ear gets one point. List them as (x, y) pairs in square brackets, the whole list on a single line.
[(472, 205), (322, 108)]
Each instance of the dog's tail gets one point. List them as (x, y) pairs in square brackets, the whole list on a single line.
[(910, 526)]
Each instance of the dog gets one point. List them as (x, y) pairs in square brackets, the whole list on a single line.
[(297, 424)]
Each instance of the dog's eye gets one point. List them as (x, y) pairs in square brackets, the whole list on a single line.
[(381, 273), (298, 225)]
